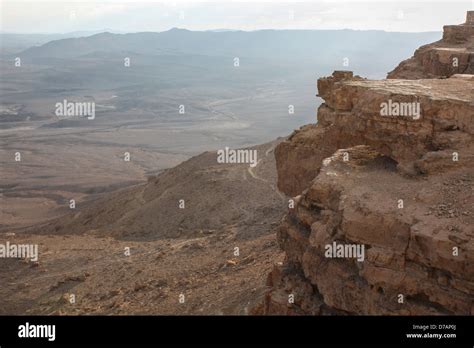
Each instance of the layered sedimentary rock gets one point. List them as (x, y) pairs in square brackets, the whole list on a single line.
[(453, 54), (416, 236), (381, 220), (441, 119)]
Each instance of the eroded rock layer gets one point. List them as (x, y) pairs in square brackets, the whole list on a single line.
[(418, 256), (382, 216), (453, 54), (351, 115)]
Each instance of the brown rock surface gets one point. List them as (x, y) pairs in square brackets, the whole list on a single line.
[(409, 251), (383, 215), (453, 54), (351, 116)]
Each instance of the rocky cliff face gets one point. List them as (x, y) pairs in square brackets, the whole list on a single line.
[(439, 115), (382, 215), (453, 54)]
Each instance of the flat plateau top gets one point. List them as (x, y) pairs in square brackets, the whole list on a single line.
[(457, 87)]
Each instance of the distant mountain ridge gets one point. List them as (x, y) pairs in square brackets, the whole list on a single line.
[(11, 43), (287, 44)]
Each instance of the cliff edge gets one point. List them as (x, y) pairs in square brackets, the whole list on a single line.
[(453, 54), (381, 220)]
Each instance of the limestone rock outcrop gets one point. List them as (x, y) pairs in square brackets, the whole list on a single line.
[(382, 215), (453, 54), (417, 237), (351, 115)]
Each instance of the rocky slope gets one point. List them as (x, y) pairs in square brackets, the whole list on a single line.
[(174, 253), (214, 195), (383, 217), (453, 54)]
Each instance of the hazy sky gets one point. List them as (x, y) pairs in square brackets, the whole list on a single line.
[(60, 16)]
